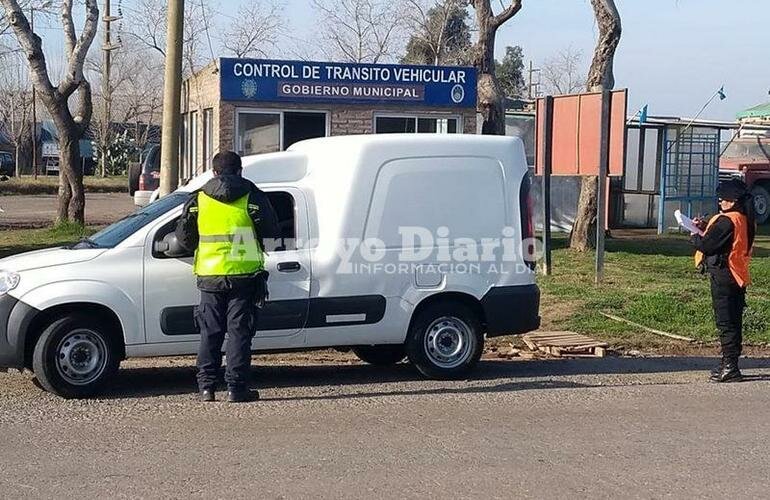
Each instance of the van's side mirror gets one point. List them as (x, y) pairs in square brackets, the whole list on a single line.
[(170, 247)]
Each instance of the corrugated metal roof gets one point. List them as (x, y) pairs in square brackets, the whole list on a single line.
[(759, 111)]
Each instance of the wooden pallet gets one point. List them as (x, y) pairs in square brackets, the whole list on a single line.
[(561, 344)]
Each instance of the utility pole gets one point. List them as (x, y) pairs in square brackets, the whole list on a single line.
[(34, 105), (533, 85), (169, 149), (107, 49)]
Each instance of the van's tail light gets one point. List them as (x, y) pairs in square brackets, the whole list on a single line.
[(526, 209), (142, 183)]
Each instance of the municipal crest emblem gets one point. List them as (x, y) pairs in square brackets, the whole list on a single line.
[(249, 88), (458, 94)]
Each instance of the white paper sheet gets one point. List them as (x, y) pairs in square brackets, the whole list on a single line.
[(687, 223)]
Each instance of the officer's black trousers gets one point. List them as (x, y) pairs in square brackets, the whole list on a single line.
[(728, 300), (234, 312)]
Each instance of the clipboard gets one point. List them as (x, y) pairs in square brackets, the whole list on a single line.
[(687, 223)]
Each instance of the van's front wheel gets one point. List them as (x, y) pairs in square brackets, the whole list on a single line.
[(74, 356), (445, 340)]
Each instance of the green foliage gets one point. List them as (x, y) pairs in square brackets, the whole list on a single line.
[(510, 72), (650, 281), (120, 150), (443, 39)]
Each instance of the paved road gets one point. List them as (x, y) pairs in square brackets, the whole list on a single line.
[(632, 428), (37, 210)]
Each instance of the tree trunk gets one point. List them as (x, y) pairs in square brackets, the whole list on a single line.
[(70, 180), (65, 195), (490, 102), (600, 77)]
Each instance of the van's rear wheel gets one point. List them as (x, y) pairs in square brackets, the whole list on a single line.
[(445, 340), (74, 356), (380, 355)]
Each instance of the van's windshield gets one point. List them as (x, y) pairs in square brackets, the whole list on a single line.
[(113, 234)]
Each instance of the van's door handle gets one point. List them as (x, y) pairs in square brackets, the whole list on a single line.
[(289, 267)]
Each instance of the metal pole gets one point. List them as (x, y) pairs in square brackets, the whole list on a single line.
[(546, 185), (662, 184), (34, 106), (106, 90), (604, 163), (169, 150), (530, 79)]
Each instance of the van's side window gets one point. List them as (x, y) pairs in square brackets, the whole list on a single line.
[(283, 204)]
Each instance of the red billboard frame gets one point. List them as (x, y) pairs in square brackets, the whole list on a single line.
[(576, 134)]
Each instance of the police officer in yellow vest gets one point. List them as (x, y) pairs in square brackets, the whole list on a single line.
[(724, 251), (227, 223)]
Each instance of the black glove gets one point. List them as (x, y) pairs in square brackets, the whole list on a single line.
[(261, 293)]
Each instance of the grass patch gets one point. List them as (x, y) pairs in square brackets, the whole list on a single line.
[(651, 281), (14, 241), (50, 185)]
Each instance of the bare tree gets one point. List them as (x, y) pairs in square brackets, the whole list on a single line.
[(255, 29), (70, 126), (360, 30), (561, 73), (490, 98), (147, 24), (136, 86), (438, 33), (16, 107), (600, 77)]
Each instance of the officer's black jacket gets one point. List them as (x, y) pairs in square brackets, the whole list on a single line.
[(228, 188), (716, 245)]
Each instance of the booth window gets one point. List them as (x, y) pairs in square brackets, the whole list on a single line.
[(412, 124), (208, 138), (268, 132), (193, 167), (184, 133)]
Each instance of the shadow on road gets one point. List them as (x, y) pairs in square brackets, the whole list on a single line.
[(146, 382)]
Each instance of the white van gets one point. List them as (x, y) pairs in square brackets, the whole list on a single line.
[(397, 246)]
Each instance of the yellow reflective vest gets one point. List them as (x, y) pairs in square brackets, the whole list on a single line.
[(227, 241)]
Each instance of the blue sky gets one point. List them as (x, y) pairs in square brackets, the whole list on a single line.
[(673, 55)]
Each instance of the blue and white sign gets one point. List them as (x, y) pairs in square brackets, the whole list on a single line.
[(345, 83)]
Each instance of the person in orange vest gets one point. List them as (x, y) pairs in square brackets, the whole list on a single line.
[(724, 252)]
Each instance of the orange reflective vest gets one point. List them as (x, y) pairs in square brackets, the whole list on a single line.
[(740, 253)]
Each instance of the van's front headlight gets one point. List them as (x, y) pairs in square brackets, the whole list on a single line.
[(8, 281)]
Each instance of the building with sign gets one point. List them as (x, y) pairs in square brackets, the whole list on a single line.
[(259, 106)]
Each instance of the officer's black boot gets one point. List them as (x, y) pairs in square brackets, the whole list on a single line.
[(729, 372), (718, 369), (207, 395), (242, 396)]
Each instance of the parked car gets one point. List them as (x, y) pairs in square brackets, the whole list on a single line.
[(748, 158), (7, 165), (71, 314), (144, 176)]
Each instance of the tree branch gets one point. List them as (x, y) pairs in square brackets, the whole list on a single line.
[(74, 75), (506, 14), (32, 46), (70, 38)]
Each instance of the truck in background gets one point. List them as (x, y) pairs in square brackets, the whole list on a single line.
[(747, 157)]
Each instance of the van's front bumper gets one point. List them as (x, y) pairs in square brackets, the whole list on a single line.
[(511, 310)]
